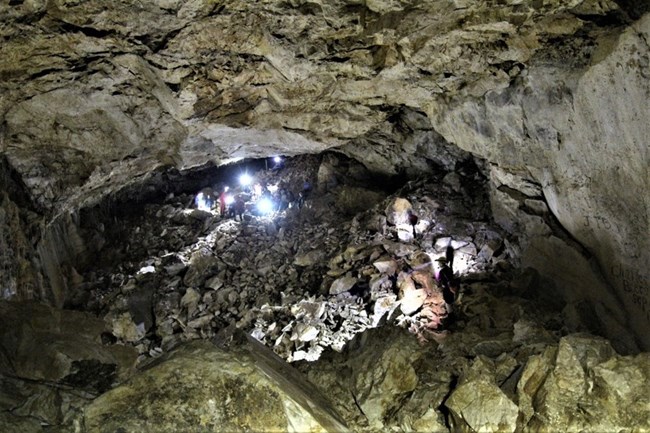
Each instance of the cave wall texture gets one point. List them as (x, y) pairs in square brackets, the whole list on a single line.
[(551, 95)]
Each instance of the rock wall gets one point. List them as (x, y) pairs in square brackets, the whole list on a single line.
[(18, 276), (581, 135)]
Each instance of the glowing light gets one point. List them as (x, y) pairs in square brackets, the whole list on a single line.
[(230, 199), (202, 202), (277, 159), (265, 206), (245, 179)]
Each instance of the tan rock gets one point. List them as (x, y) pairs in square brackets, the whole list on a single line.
[(478, 404), (342, 284), (42, 343), (238, 390)]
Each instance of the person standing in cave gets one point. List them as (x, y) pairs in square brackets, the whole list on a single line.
[(222, 201), (449, 255), (448, 283), (204, 200), (306, 190), (413, 220), (238, 207)]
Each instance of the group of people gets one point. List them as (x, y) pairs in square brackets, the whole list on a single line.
[(234, 204)]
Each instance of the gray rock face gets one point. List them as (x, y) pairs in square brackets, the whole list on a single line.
[(53, 363), (68, 343)]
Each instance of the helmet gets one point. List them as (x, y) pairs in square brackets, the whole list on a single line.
[(441, 260)]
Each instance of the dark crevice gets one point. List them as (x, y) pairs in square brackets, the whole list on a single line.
[(88, 31), (549, 218), (43, 73), (443, 408), (30, 18), (217, 10), (561, 232), (516, 194), (612, 19), (634, 9), (356, 403), (12, 183), (174, 87), (337, 59), (157, 42)]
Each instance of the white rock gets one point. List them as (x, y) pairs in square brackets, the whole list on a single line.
[(146, 270), (308, 333), (388, 266), (412, 301), (258, 334), (298, 355), (342, 284)]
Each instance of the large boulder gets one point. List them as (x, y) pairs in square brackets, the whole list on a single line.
[(52, 362), (478, 404), (45, 344), (583, 385), (200, 387)]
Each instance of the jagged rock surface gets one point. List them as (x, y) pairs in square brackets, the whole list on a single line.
[(53, 363), (200, 387)]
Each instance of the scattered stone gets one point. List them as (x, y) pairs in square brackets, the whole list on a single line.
[(310, 258), (190, 301), (342, 284)]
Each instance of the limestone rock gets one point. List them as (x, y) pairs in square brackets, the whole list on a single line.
[(482, 406), (580, 374), (342, 284), (310, 258), (396, 213), (412, 300), (623, 402), (387, 266), (13, 424), (64, 347), (257, 393), (384, 384), (202, 263), (124, 327), (190, 301)]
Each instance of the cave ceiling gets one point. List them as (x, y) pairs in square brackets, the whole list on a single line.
[(97, 93)]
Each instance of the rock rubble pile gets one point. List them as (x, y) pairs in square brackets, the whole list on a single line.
[(303, 280)]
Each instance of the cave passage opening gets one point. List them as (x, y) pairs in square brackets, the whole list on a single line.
[(350, 251)]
